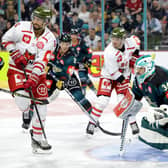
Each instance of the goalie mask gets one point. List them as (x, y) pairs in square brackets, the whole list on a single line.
[(144, 68)]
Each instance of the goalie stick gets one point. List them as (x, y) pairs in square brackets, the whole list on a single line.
[(24, 96), (123, 135), (96, 122)]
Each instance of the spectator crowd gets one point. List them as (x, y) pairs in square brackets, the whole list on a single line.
[(86, 15)]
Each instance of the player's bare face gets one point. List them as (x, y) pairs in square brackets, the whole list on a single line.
[(38, 23), (140, 70), (74, 36), (64, 46), (117, 42)]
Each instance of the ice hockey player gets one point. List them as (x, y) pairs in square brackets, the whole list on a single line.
[(119, 57), (61, 73), (84, 59), (151, 82), (30, 44), (1, 63)]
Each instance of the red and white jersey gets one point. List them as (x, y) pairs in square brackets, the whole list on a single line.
[(21, 36), (116, 62)]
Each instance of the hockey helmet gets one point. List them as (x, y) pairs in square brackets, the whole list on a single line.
[(74, 30), (42, 13), (119, 32), (65, 37), (148, 64)]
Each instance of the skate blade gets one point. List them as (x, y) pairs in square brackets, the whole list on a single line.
[(89, 136), (121, 153), (41, 152)]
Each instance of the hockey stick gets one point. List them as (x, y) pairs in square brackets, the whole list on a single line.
[(123, 135), (96, 122), (24, 96), (34, 103), (83, 109)]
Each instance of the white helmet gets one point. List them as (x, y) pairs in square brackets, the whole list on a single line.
[(147, 62)]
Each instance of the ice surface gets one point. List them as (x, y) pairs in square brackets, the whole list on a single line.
[(65, 129)]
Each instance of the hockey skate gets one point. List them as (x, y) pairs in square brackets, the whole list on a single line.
[(26, 117), (26, 122), (135, 128), (40, 147), (90, 128)]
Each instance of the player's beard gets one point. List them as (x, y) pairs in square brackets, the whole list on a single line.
[(37, 28)]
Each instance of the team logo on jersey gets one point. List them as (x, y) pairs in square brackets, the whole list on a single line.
[(40, 45), (119, 59), (19, 78), (78, 48), (150, 89), (72, 82), (70, 69), (52, 56), (62, 62), (106, 85), (42, 90), (26, 38)]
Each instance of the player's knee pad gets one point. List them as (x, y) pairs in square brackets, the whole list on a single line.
[(102, 102), (22, 103)]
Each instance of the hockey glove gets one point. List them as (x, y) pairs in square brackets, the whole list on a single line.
[(18, 58), (60, 85), (1, 63), (32, 81), (88, 63)]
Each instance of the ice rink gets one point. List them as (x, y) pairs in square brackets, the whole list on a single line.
[(65, 129)]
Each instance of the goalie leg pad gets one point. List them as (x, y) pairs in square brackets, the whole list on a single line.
[(127, 106)]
